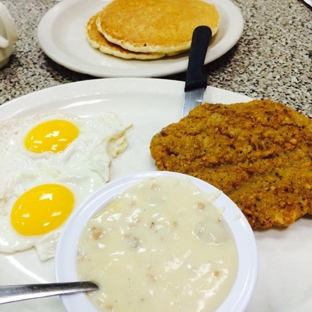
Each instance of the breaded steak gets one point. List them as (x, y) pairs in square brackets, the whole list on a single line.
[(259, 153)]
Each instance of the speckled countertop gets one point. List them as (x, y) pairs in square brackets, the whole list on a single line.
[(273, 58)]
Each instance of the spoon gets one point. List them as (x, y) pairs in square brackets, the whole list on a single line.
[(15, 293)]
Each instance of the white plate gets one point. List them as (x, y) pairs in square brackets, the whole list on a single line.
[(61, 34), (285, 275)]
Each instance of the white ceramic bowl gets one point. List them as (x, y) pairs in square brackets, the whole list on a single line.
[(65, 261)]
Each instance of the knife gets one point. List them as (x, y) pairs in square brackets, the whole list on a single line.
[(196, 80)]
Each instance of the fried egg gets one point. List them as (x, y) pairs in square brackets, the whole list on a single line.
[(49, 164)]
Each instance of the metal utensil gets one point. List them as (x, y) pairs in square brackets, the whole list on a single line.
[(196, 80), (33, 291)]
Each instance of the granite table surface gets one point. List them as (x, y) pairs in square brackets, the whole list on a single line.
[(272, 59)]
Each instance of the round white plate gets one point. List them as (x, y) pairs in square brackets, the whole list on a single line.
[(285, 275), (61, 34)]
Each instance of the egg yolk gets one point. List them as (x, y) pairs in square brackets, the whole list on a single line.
[(42, 209), (51, 136)]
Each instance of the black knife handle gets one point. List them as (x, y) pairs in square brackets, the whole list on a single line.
[(195, 77)]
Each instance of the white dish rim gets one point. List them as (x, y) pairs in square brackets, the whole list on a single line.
[(57, 49), (76, 98), (65, 259)]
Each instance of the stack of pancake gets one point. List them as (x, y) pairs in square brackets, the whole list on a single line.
[(149, 29)]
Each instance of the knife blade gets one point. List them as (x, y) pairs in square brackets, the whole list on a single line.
[(196, 80)]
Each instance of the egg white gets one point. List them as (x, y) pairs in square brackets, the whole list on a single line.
[(83, 167)]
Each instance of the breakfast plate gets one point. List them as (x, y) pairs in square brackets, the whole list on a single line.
[(285, 279), (61, 35)]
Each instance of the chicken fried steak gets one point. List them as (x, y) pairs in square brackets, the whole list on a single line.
[(259, 153)]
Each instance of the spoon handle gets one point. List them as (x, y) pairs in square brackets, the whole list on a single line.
[(32, 291)]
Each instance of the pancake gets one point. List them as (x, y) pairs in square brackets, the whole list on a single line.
[(98, 41), (258, 153), (155, 26)]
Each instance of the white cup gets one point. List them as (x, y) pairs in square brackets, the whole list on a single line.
[(8, 35)]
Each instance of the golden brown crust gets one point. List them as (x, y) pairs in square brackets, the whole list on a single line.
[(259, 153), (98, 41), (155, 25)]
